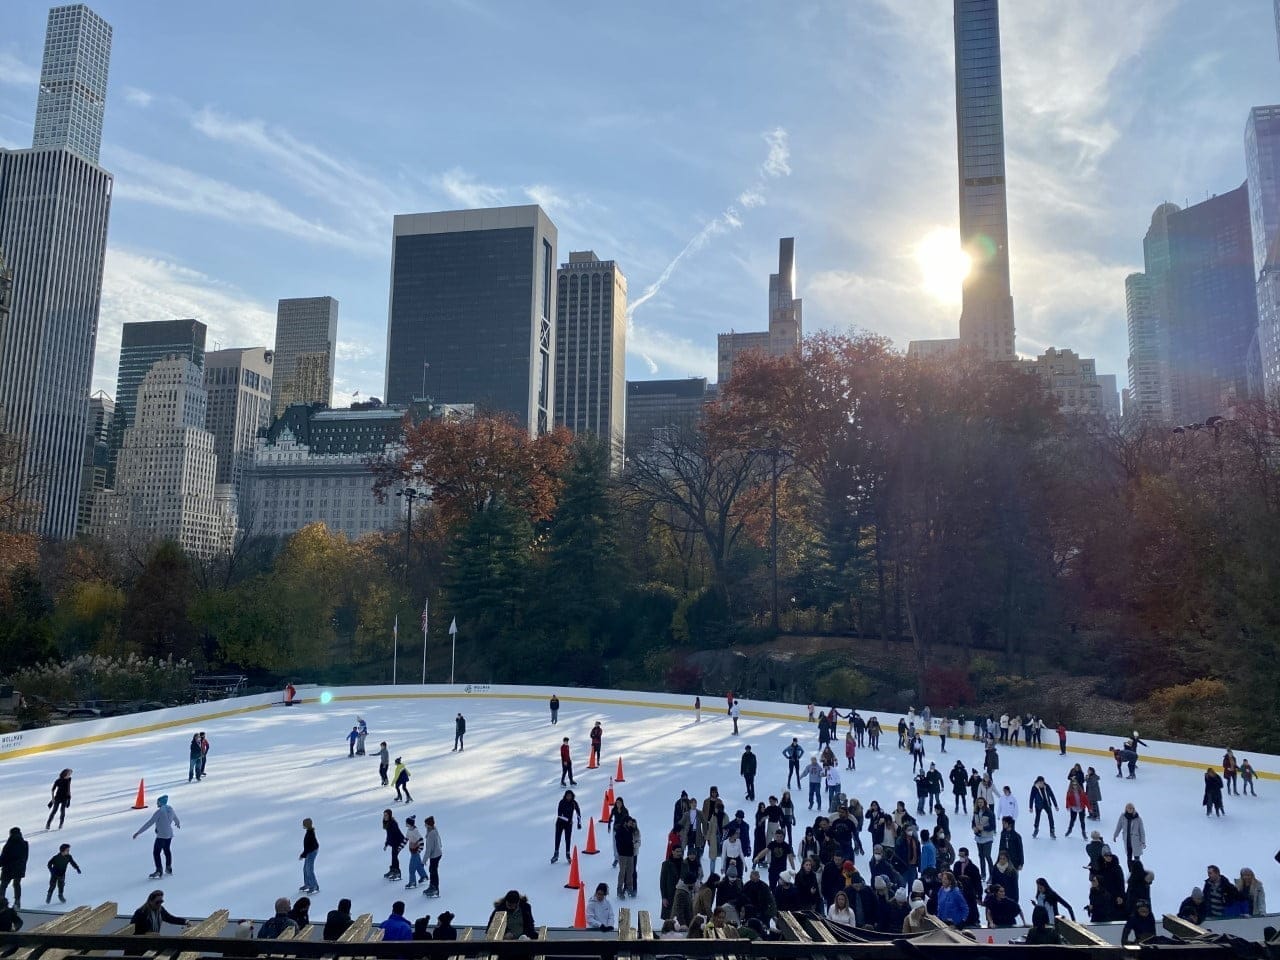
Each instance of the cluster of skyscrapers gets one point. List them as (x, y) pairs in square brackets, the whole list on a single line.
[(483, 315)]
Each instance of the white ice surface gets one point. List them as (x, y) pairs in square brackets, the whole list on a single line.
[(495, 803)]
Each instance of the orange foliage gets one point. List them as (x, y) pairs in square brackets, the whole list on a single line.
[(465, 463)]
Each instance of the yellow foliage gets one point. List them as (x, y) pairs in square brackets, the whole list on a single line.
[(1200, 691)]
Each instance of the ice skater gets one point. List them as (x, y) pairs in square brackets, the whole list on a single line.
[(697, 718), (59, 799), (394, 842), (567, 810), (204, 756), (362, 731), (164, 820), (310, 849), (432, 851), (413, 839), (566, 763), (734, 713), (13, 865), (193, 758), (597, 735), (352, 737), (401, 781), (459, 731), (384, 761), (555, 709), (57, 865)]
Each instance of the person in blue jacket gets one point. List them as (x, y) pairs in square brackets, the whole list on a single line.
[(352, 737), (793, 753), (396, 927), (953, 908)]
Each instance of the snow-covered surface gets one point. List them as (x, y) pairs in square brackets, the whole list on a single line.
[(495, 802)]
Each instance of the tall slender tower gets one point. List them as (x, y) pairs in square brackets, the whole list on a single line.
[(73, 81), (54, 205), (306, 346), (986, 318), (591, 350)]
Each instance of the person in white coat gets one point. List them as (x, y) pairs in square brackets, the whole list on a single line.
[(1007, 805), (600, 910), (1135, 834)]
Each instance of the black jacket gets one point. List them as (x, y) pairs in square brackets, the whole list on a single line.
[(145, 921), (748, 765), (336, 924), (13, 858), (1011, 844)]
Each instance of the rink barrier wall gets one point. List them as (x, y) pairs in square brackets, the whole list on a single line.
[(28, 742)]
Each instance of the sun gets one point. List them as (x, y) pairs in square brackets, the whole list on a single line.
[(943, 265)]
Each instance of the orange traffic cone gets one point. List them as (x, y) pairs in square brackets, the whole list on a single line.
[(606, 808), (618, 777), (608, 793), (580, 915), (141, 802), (592, 763), (573, 883), (591, 837), (990, 938)]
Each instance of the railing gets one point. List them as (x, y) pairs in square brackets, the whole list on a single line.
[(96, 932)]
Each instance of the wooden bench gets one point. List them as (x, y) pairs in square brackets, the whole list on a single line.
[(1079, 936), (624, 924), (358, 932), (211, 926), (77, 920), (644, 925), (1185, 929)]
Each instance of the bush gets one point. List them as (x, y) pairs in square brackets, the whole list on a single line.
[(1188, 711), (683, 677), (948, 687), (843, 687), (91, 677)]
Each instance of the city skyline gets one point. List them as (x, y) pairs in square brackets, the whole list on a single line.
[(1129, 110)]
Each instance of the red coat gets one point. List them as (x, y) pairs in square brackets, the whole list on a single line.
[(565, 756), (1076, 799), (849, 746)]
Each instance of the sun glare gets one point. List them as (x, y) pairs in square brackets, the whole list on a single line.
[(943, 265)]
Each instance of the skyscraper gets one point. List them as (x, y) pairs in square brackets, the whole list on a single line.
[(591, 349), (786, 319), (93, 475), (141, 345), (73, 81), (54, 205), (1262, 163), (471, 317), (306, 346), (238, 382), (1213, 313), (657, 405), (1147, 309), (164, 487), (986, 317)]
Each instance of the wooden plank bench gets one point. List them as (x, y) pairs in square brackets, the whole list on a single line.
[(91, 921), (644, 925), (358, 932), (1078, 935), (625, 932), (211, 926), (1176, 926)]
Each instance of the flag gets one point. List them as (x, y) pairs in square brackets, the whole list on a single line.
[(453, 627), (426, 606), (395, 629)]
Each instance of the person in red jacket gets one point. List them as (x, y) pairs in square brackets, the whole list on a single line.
[(566, 763), (1062, 739)]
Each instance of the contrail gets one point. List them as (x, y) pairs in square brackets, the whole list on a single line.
[(776, 164)]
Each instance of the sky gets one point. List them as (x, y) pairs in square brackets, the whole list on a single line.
[(261, 150)]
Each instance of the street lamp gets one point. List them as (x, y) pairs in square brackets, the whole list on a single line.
[(410, 494), (774, 453)]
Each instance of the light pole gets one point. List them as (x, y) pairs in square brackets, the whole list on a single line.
[(775, 453), (410, 494)]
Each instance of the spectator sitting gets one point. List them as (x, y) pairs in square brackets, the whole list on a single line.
[(151, 916), (519, 916), (1141, 924), (1192, 908), (1041, 932), (444, 927), (301, 912), (10, 922), (337, 922), (396, 927), (1001, 911), (273, 928), (600, 910), (422, 928)]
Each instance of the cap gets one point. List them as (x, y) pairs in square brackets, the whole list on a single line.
[(1105, 851), (787, 877)]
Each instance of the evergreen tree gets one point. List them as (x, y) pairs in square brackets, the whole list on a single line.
[(155, 621)]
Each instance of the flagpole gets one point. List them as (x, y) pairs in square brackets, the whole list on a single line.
[(453, 632), (426, 623)]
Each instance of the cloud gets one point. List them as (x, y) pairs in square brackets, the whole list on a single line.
[(351, 350), (139, 287), (662, 350), (462, 188), (13, 72), (138, 97), (777, 163), (176, 188)]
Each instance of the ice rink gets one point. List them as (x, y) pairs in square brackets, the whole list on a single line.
[(495, 801)]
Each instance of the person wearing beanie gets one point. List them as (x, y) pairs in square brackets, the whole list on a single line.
[(914, 922), (444, 927), (1192, 908), (164, 820), (1141, 925), (894, 912), (337, 921)]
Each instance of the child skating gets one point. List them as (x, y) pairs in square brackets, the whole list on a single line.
[(58, 864)]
